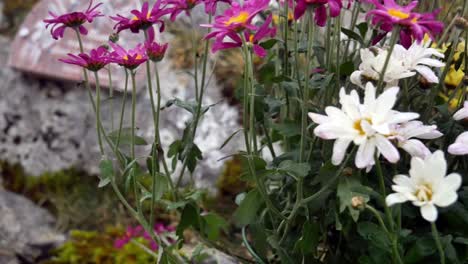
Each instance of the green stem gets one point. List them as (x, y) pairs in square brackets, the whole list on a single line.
[(132, 155), (249, 248), (85, 74), (393, 40), (383, 191), (111, 96), (305, 92), (205, 55), (98, 111), (158, 109), (379, 218), (436, 236), (122, 111), (195, 56)]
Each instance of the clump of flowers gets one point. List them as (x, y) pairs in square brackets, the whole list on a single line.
[(73, 20), (403, 63), (413, 25), (176, 7)]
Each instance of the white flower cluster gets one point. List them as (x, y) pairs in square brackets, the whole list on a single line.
[(403, 63)]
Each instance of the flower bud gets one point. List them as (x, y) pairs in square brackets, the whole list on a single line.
[(358, 202), (461, 23), (465, 80), (114, 37)]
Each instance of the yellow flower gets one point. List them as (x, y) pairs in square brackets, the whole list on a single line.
[(454, 77)]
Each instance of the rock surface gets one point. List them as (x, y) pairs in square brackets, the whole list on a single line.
[(24, 229), (49, 126)]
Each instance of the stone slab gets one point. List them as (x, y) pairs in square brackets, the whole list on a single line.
[(35, 51)]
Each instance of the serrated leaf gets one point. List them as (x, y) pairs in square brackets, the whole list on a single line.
[(269, 44), (107, 172), (374, 234), (345, 192), (352, 35), (190, 217)]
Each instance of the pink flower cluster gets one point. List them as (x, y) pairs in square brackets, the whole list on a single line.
[(236, 25), (139, 232), (413, 25)]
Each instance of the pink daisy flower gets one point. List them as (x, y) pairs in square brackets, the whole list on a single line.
[(413, 25), (141, 20), (72, 20), (94, 61), (129, 59), (154, 50), (253, 38), (236, 19), (178, 6), (320, 9)]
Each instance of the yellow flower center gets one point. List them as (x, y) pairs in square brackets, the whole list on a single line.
[(424, 192), (358, 127), (241, 18), (138, 57), (251, 38), (135, 18), (397, 13)]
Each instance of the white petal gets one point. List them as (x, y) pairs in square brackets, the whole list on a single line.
[(431, 62), (436, 165), (415, 148), (339, 150), (356, 78), (429, 212), (365, 154), (402, 180), (318, 118), (386, 101), (453, 181), (458, 149), (461, 114), (445, 199), (401, 117), (417, 169), (387, 149), (427, 73), (395, 198)]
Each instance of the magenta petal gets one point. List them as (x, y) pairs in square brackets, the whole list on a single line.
[(261, 52), (321, 16)]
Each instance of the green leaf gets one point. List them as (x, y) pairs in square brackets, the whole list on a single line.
[(190, 106), (213, 224), (363, 27), (374, 234), (246, 213), (346, 191), (308, 242), (288, 129), (190, 217), (347, 68), (168, 259), (421, 248), (193, 157), (296, 169), (107, 172), (268, 44), (229, 138), (126, 137), (352, 35)]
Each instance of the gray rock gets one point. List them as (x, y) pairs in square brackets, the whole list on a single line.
[(50, 126), (24, 228)]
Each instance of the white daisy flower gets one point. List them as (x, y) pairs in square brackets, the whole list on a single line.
[(460, 146), (366, 125), (408, 135), (427, 185), (403, 63), (418, 57), (373, 60), (462, 113)]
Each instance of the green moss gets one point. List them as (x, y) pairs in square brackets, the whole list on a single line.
[(14, 12), (230, 183), (71, 195), (85, 247)]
